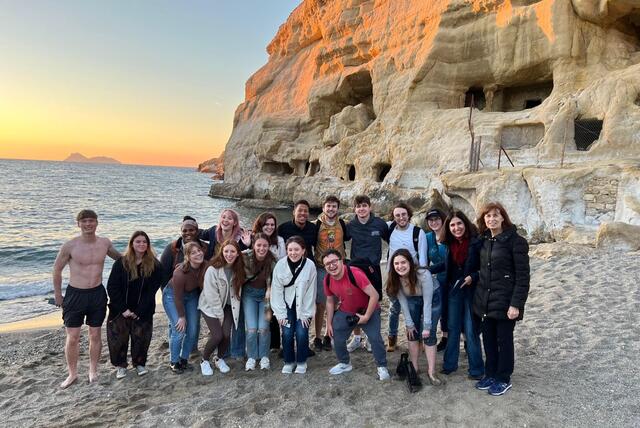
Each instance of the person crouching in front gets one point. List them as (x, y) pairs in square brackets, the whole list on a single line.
[(358, 307)]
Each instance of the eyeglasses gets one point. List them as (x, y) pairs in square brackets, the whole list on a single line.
[(332, 263)]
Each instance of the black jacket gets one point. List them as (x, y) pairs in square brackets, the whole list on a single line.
[(504, 275), (470, 268), (139, 295)]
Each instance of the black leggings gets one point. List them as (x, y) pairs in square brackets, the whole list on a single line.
[(219, 334), (497, 337)]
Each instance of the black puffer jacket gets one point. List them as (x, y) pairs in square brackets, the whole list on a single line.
[(504, 275)]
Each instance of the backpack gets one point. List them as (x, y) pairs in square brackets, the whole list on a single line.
[(352, 279), (416, 234)]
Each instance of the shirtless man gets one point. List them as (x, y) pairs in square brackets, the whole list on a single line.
[(87, 297)]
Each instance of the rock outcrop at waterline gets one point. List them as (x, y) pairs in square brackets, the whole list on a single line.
[(364, 96), (214, 166)]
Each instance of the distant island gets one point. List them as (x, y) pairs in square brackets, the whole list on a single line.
[(77, 157)]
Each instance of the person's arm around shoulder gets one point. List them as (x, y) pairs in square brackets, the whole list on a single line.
[(522, 277), (384, 230), (63, 257), (111, 250)]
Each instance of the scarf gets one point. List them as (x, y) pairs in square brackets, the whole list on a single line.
[(459, 251)]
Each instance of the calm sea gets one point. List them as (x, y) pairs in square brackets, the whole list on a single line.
[(39, 200)]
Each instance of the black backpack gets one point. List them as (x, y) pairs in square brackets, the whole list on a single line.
[(416, 235)]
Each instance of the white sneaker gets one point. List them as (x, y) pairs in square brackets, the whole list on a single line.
[(265, 364), (301, 368), (141, 370), (340, 368), (354, 343), (222, 366), (250, 365), (287, 368), (205, 368), (121, 372), (383, 373)]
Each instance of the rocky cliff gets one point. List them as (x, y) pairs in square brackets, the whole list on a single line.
[(214, 166), (385, 97)]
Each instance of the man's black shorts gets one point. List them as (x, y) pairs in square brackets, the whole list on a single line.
[(79, 303)]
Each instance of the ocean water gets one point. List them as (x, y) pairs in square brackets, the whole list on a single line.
[(39, 201)]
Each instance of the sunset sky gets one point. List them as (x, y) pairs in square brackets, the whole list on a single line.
[(148, 81)]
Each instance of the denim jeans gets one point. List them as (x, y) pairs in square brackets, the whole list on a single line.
[(460, 317), (256, 325), (342, 331), (296, 331), (237, 348), (181, 343), (394, 316)]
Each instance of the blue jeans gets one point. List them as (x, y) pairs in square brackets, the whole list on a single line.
[(295, 331), (342, 330), (394, 316), (237, 347), (460, 317), (257, 326), (181, 343)]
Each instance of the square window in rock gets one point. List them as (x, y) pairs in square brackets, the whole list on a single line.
[(277, 168), (586, 131), (313, 168)]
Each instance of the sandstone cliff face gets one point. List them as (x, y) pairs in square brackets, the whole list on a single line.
[(373, 96)]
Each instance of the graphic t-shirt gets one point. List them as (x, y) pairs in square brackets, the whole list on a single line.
[(329, 237)]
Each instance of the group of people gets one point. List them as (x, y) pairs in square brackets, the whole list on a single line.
[(264, 288)]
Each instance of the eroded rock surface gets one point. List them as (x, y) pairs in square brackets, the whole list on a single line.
[(364, 96)]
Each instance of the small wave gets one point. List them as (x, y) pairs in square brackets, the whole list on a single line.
[(12, 291)]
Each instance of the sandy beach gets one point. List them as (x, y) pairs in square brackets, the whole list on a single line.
[(576, 354)]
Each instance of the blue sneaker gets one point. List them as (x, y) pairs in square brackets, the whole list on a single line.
[(485, 383), (499, 388)]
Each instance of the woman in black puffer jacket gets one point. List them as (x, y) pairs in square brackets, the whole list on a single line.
[(501, 294)]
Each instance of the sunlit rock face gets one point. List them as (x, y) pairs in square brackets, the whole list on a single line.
[(373, 97)]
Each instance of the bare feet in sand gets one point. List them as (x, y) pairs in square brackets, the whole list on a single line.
[(93, 377), (68, 382)]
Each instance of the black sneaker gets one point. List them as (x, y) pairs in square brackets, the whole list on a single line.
[(317, 344), (442, 345), (446, 372), (311, 353), (326, 343), (176, 368), (185, 365)]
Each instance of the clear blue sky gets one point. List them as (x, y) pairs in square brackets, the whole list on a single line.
[(138, 80)]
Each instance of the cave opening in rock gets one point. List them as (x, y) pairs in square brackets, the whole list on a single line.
[(517, 98), (475, 96), (277, 168), (586, 131), (353, 90), (313, 168), (381, 171), (351, 172), (637, 101), (532, 103)]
